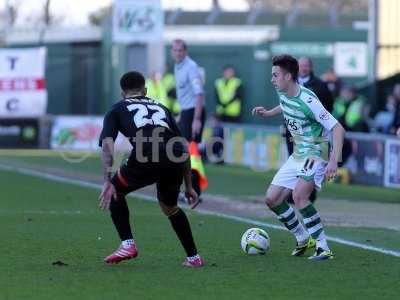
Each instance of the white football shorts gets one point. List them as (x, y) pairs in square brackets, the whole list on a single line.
[(310, 168)]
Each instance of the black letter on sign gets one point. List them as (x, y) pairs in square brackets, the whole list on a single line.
[(12, 104), (13, 61)]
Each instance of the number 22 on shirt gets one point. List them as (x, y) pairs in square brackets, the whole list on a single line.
[(141, 117)]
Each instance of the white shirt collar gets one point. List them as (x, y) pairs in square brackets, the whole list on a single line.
[(303, 80)]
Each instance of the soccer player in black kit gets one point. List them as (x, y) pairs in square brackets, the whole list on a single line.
[(159, 155)]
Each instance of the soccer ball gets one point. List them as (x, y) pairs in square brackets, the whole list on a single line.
[(255, 241)]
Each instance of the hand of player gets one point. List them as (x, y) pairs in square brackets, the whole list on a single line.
[(196, 127), (106, 195), (192, 198), (398, 132), (331, 169), (259, 110)]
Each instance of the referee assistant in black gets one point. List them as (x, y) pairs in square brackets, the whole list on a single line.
[(190, 94)]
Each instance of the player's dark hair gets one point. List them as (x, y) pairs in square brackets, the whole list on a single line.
[(288, 63), (132, 81)]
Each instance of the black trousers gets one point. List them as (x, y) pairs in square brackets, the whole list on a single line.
[(165, 174), (185, 124)]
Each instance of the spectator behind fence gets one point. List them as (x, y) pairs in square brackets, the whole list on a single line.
[(155, 88), (212, 149), (162, 88), (170, 88), (229, 94), (396, 119), (351, 109), (333, 81), (312, 82), (383, 120)]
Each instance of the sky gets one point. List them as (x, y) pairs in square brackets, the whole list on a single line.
[(75, 12)]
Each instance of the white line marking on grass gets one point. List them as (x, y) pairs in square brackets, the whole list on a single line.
[(278, 227), (96, 186), (44, 153), (46, 212), (41, 212)]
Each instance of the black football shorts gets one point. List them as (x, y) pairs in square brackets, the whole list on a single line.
[(166, 175)]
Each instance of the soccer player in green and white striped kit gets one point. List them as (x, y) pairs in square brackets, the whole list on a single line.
[(311, 162)]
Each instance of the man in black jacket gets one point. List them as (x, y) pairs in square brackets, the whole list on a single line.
[(309, 80)]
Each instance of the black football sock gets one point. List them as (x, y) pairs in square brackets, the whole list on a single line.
[(196, 182), (182, 229), (120, 216)]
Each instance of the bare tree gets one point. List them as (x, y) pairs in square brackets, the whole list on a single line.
[(293, 15), (12, 12), (47, 17), (216, 5), (97, 17), (44, 18), (333, 13)]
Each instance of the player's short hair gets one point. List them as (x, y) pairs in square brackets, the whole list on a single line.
[(180, 42), (288, 63), (132, 81)]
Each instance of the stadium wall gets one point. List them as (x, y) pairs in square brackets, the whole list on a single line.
[(82, 74), (253, 63)]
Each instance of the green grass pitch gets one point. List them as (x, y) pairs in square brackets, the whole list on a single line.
[(43, 221)]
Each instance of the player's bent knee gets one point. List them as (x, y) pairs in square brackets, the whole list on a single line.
[(270, 201), (169, 210)]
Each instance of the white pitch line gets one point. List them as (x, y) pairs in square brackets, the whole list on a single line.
[(45, 212), (330, 238), (61, 179)]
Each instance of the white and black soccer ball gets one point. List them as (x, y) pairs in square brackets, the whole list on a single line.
[(255, 241)]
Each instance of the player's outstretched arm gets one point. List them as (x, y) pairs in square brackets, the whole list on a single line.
[(190, 193), (336, 154), (259, 110), (107, 159)]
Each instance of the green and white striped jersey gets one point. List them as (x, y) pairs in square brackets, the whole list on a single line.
[(308, 122)]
